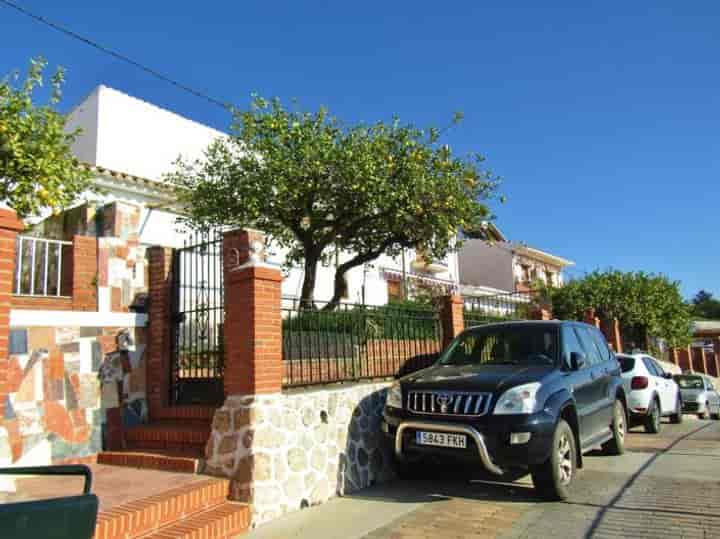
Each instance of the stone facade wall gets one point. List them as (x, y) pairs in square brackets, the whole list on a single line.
[(287, 451), (64, 385)]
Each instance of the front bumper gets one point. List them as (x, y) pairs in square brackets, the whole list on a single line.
[(488, 438), (692, 407)]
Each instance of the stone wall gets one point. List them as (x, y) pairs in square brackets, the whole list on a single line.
[(63, 384), (288, 451)]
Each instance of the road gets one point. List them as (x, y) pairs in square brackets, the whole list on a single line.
[(666, 485)]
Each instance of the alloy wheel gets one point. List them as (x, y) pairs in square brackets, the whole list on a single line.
[(565, 456), (620, 422)]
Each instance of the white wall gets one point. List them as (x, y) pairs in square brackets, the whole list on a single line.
[(134, 136), (85, 117)]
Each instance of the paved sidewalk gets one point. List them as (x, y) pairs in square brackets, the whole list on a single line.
[(666, 485)]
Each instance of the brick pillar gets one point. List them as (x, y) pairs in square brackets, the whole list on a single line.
[(611, 330), (84, 273), (253, 328), (590, 318), (685, 358), (158, 349), (10, 225), (540, 314), (451, 315)]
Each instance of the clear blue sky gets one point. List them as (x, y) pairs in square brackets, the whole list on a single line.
[(603, 118)]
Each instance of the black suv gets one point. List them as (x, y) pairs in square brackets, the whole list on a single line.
[(514, 396)]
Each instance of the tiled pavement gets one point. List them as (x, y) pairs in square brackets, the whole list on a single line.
[(114, 485), (665, 486)]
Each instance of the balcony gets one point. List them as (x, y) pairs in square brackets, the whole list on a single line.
[(430, 265)]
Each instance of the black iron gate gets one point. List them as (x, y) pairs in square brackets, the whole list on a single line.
[(198, 314)]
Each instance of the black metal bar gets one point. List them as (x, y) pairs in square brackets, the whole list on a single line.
[(55, 470)]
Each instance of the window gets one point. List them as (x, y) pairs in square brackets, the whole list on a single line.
[(658, 368), (650, 366), (570, 344), (627, 363), (602, 344), (516, 345), (588, 343), (549, 277)]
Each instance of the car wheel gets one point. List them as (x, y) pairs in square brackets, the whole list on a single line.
[(715, 416), (553, 477), (677, 416), (616, 444), (706, 413), (653, 423)]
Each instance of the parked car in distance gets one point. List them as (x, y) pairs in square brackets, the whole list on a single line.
[(651, 392), (530, 396), (699, 396)]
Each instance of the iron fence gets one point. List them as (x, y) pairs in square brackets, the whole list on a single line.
[(479, 310), (355, 341), (42, 267)]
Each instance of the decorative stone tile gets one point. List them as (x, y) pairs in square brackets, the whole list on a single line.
[(67, 335), (55, 390), (89, 391), (27, 390), (71, 393), (18, 341), (41, 338)]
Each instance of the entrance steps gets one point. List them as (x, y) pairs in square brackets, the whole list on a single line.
[(197, 510)]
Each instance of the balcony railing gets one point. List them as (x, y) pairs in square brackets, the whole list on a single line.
[(42, 267)]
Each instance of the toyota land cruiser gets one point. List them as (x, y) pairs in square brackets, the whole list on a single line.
[(528, 395)]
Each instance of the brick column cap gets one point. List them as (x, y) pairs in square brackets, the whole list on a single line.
[(254, 270), (10, 221)]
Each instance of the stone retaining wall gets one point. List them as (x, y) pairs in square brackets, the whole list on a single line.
[(288, 451)]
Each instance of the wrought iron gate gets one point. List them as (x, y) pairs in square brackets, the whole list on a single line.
[(198, 314)]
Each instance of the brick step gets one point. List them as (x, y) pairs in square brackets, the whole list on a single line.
[(222, 522), (148, 515), (187, 460), (169, 434), (185, 412)]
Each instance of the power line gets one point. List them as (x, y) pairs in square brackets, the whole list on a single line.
[(119, 56)]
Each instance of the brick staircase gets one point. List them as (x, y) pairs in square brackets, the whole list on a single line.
[(198, 510), (174, 442)]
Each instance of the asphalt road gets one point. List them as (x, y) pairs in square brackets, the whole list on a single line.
[(666, 485)]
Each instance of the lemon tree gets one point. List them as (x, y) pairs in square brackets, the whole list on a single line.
[(317, 186), (37, 168)]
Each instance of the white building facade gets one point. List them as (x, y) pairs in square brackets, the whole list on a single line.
[(132, 144)]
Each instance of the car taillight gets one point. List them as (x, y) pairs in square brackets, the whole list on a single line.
[(639, 382)]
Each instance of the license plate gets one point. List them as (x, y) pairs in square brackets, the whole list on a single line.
[(441, 439)]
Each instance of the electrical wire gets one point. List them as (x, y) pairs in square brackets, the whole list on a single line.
[(42, 20)]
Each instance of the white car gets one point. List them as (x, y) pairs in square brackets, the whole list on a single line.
[(651, 392)]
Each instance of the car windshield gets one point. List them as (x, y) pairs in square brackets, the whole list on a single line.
[(504, 345), (627, 363), (689, 382)]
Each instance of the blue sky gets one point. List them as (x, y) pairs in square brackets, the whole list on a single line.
[(603, 118)]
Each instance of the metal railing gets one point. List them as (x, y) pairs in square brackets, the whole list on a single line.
[(40, 267), (355, 342), (479, 310)]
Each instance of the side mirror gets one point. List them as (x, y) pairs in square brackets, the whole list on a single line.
[(667, 375), (577, 360)]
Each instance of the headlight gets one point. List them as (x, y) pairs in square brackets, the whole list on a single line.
[(394, 396), (518, 400)]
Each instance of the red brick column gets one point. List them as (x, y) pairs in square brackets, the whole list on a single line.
[(451, 318), (84, 273), (253, 326), (685, 358), (10, 225), (590, 318), (158, 350), (611, 330)]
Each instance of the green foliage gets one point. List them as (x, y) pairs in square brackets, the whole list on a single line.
[(643, 303), (37, 168), (315, 185), (705, 306), (398, 321)]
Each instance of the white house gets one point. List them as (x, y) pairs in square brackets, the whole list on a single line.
[(130, 144)]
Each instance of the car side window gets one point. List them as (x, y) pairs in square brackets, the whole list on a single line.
[(588, 343), (658, 368), (650, 366), (602, 344), (570, 344)]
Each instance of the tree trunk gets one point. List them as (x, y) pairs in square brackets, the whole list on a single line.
[(307, 296)]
